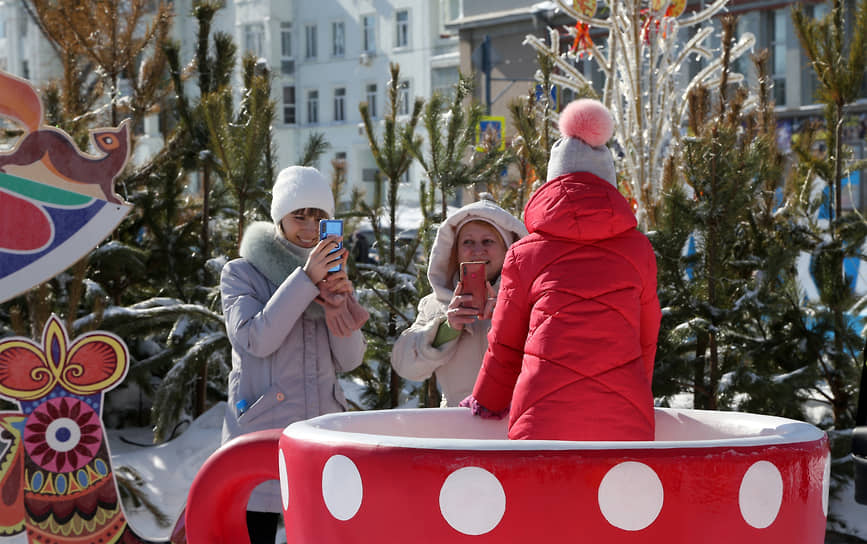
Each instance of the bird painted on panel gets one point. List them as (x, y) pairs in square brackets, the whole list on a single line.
[(50, 155)]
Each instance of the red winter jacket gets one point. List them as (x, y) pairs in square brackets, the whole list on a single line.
[(573, 335)]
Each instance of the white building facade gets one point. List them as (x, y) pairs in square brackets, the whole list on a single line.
[(23, 50), (327, 57)]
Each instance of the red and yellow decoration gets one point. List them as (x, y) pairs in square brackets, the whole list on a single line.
[(582, 41), (56, 479)]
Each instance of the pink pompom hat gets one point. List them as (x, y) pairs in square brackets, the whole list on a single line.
[(585, 127)]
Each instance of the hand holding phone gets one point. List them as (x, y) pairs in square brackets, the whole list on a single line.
[(474, 282), (327, 227)]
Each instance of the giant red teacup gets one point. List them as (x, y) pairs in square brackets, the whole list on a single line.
[(442, 476)]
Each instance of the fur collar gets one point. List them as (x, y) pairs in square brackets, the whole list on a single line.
[(274, 256)]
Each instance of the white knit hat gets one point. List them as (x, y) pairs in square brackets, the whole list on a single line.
[(299, 187), (585, 127)]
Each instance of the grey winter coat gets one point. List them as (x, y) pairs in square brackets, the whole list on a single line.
[(284, 359), (457, 362)]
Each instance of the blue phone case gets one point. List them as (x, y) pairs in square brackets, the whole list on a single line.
[(328, 227)]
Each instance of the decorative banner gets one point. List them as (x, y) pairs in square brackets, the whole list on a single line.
[(585, 7), (675, 8), (56, 202)]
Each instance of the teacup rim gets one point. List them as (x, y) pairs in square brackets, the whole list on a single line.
[(770, 430)]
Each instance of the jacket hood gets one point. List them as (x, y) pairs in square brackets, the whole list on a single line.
[(579, 206), (441, 252)]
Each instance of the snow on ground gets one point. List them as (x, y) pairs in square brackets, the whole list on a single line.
[(167, 469)]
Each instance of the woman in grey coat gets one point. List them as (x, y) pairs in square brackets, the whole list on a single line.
[(292, 325)]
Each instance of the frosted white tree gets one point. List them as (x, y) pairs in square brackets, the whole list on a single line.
[(644, 62)]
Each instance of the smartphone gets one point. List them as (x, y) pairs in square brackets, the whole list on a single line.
[(475, 283), (327, 227)]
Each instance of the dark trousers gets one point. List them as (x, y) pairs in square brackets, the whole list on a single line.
[(262, 527)]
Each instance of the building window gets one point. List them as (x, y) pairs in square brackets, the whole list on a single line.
[(368, 33), (370, 175), (453, 9), (310, 41), (287, 58), (289, 105), (340, 104), (254, 38), (777, 22), (338, 39), (403, 98), (443, 81), (401, 29), (312, 107), (370, 95), (25, 69)]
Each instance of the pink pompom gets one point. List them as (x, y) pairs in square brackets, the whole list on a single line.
[(588, 120)]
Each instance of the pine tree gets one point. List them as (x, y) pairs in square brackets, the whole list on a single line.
[(838, 57), (101, 42), (536, 131), (724, 332), (451, 163), (390, 290), (240, 140)]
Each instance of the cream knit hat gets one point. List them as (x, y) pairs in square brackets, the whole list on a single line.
[(299, 187)]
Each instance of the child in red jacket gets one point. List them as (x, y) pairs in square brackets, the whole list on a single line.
[(574, 330)]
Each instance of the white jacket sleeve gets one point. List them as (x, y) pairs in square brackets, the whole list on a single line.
[(413, 355)]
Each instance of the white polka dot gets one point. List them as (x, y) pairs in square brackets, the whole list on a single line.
[(472, 501), (284, 480), (761, 494), (631, 496), (341, 487), (826, 484)]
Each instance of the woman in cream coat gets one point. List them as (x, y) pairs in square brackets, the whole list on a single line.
[(447, 338)]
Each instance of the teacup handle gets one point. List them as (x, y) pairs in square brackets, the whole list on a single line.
[(216, 510)]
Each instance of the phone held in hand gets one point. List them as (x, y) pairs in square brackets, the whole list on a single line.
[(328, 227), (474, 283)]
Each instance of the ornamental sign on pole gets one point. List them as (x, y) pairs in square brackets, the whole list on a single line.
[(490, 133)]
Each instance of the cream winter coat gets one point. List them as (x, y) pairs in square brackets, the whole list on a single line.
[(455, 363), (284, 358)]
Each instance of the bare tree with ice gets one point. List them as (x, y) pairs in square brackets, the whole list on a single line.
[(644, 61)]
